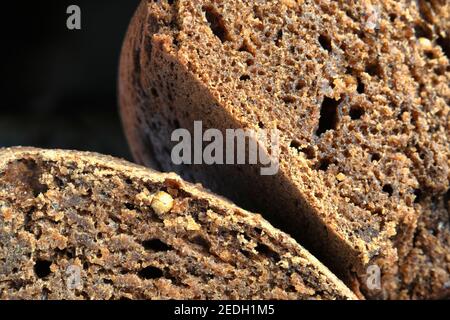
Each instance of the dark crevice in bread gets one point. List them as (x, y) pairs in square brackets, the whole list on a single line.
[(137, 234), (360, 92)]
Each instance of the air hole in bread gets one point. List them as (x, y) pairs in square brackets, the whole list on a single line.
[(429, 54), (440, 70), (267, 251), (279, 38), (300, 84), (42, 268), (374, 69), (328, 115), (309, 151), (421, 30), (324, 164), (28, 174), (245, 77), (58, 182), (356, 112), (150, 272), (295, 144), (289, 99), (418, 195), (392, 17), (325, 42), (156, 245), (361, 87), (130, 206), (375, 157), (444, 43), (154, 92), (201, 242), (387, 188), (216, 23)]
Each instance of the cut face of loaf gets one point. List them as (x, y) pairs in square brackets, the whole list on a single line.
[(84, 226), (360, 93)]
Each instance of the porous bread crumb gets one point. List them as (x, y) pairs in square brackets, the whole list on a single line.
[(68, 233), (144, 197), (237, 64)]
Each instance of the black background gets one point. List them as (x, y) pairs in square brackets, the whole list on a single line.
[(58, 87)]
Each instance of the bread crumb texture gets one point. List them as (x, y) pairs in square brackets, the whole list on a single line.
[(360, 93), (84, 226)]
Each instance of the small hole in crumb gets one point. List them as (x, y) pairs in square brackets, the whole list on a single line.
[(154, 92), (258, 231), (156, 245), (356, 112), (375, 157), (309, 152), (216, 23), (289, 99), (429, 54), (279, 38), (295, 144), (392, 17), (378, 211), (59, 182), (245, 77), (374, 69), (325, 42), (387, 188), (444, 43), (42, 268), (361, 88), (150, 273), (329, 115), (300, 84), (130, 206), (423, 31), (418, 195), (324, 164), (267, 251), (202, 242)]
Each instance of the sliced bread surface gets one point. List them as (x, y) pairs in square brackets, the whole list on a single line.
[(76, 225), (360, 93)]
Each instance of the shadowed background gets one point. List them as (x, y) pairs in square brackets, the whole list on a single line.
[(58, 87)]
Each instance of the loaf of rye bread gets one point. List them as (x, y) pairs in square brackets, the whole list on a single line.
[(79, 225), (360, 93)]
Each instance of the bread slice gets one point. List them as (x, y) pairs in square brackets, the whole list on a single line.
[(360, 93), (77, 225)]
